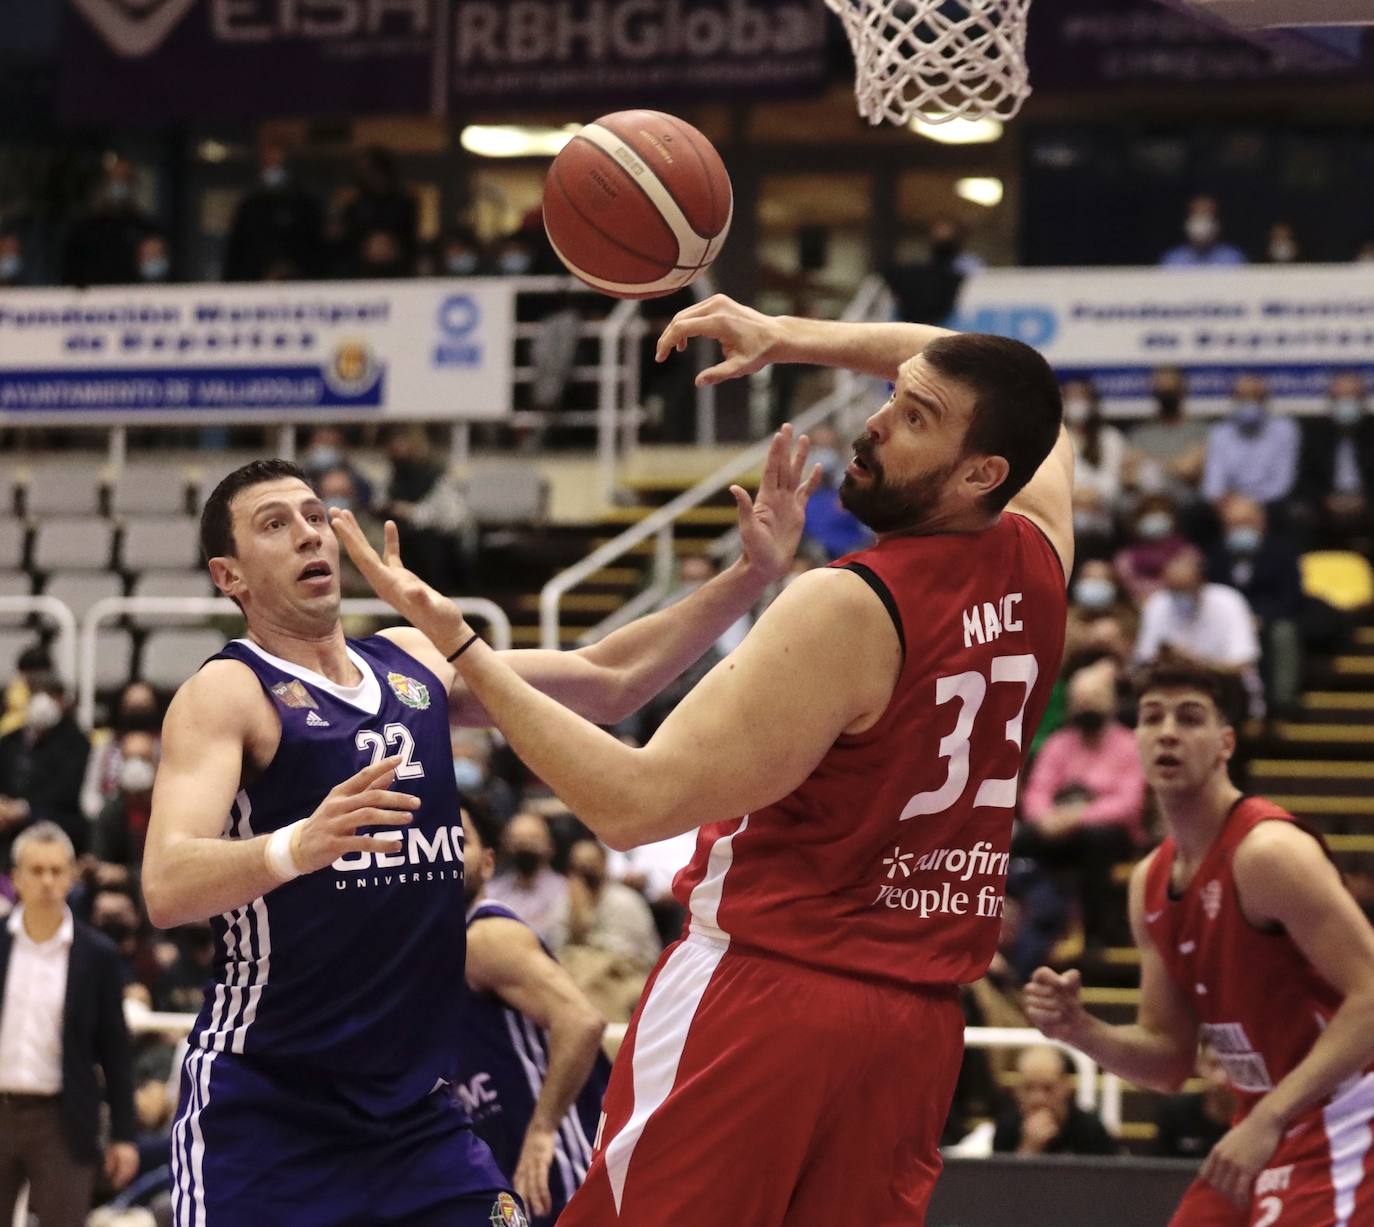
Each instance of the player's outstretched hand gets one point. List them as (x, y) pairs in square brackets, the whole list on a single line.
[(532, 1170), (360, 801), (770, 525), (1240, 1156), (1054, 1003), (748, 338), (399, 587)]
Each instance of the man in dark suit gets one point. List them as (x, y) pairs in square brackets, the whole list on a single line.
[(1335, 487), (61, 1016)]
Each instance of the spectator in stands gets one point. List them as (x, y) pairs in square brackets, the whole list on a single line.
[(13, 267), (1204, 248), (1166, 455), (926, 290), (1207, 624), (1251, 452), (1099, 448), (137, 710), (381, 257), (1189, 1125), (102, 247), (380, 206), (650, 869), (33, 662), (41, 768), (338, 488), (1155, 541), (1045, 1119), (122, 826), (1335, 488), (531, 886), (327, 449), (1365, 253), (605, 914), (472, 771), (1084, 802), (1102, 620), (427, 505), (459, 254), (1263, 567), (61, 1018), (516, 255), (277, 221), (180, 986), (828, 523), (1282, 247), (154, 260)]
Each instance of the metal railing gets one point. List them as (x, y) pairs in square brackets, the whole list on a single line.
[(201, 607), (851, 392), (57, 612)]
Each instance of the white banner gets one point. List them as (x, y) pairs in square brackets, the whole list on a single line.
[(326, 351), (1294, 326)]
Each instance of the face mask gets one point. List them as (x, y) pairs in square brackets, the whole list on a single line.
[(1347, 411), (155, 269), (594, 881), (1283, 252), (1091, 524), (138, 720), (514, 263), (339, 504), (118, 931), (1185, 604), (1249, 415), (274, 176), (1169, 403), (461, 263), (1094, 592), (43, 712), (526, 862), (1200, 229), (1090, 723), (1155, 525), (468, 775), (322, 456), (1243, 539), (136, 775), (829, 460), (944, 249), (10, 267), (118, 192), (1077, 410)]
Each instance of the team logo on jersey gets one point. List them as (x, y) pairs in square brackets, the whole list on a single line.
[(507, 1213), (1211, 899), (294, 694), (409, 691)]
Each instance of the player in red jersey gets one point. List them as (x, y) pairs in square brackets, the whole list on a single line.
[(1248, 937), (853, 768)]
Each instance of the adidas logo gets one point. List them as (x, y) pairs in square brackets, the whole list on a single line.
[(313, 720)]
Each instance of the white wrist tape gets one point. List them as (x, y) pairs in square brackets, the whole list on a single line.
[(281, 864)]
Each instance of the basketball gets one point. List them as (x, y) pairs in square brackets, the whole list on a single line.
[(637, 204)]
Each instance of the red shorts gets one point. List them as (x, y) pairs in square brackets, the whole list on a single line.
[(1322, 1174), (751, 1090)]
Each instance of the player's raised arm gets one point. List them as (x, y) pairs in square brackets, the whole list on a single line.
[(751, 340), (190, 870), (504, 958), (1159, 1049)]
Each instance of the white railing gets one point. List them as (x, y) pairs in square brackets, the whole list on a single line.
[(200, 607), (852, 392), (55, 611)]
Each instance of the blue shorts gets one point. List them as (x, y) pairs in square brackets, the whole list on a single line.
[(255, 1146)]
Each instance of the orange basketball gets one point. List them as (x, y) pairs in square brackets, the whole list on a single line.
[(637, 204)]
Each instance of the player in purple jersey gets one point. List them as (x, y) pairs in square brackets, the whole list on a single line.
[(305, 804)]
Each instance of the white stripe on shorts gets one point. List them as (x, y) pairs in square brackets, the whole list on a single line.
[(660, 1037), (1348, 1120)]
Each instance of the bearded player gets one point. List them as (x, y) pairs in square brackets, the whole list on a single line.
[(1248, 938), (853, 766)]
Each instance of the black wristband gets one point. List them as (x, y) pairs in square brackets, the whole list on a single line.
[(464, 648)]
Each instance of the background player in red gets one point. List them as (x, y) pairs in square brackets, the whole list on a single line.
[(854, 763), (1248, 936)]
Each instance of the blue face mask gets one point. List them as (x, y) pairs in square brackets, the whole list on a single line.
[(1249, 415), (1345, 412), (1243, 539), (154, 269), (10, 267), (1155, 525), (339, 504), (514, 263), (274, 177), (1094, 592), (461, 263), (322, 457), (1185, 604), (829, 460), (468, 775)]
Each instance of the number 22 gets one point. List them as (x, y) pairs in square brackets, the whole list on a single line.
[(396, 734), (970, 689)]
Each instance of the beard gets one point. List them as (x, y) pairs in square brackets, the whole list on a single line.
[(888, 507)]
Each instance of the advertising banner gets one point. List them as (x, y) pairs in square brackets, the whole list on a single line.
[(1294, 326), (328, 351)]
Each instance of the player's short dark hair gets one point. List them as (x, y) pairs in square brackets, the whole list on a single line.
[(216, 522), (1017, 407), (487, 825), (1226, 690)]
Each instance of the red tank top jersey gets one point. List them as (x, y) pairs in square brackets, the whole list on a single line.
[(889, 862), (1260, 1002)]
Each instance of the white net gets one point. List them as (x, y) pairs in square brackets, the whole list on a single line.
[(937, 59)]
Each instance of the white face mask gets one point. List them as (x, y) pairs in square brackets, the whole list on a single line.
[(1283, 252), (1077, 410), (1201, 229), (136, 775), (43, 712)]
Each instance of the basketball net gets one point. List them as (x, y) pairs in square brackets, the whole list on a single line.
[(937, 60)]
